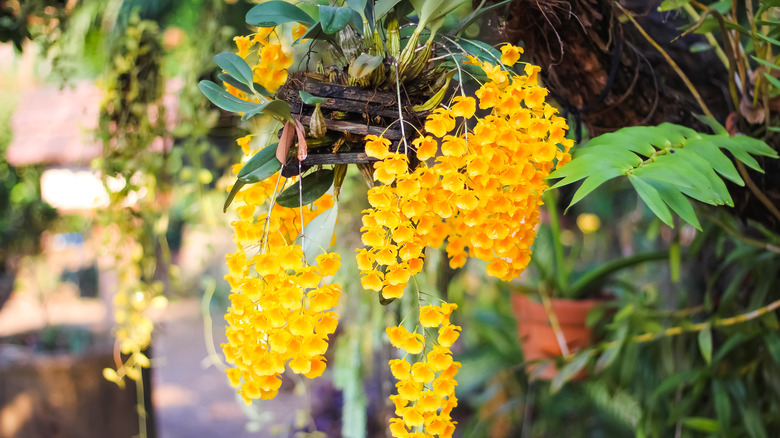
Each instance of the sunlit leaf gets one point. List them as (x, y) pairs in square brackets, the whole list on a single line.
[(236, 67), (221, 98), (274, 13), (318, 233), (364, 65)]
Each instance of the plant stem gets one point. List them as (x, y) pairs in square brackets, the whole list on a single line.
[(756, 191), (671, 62), (716, 322), (556, 327), (710, 37), (555, 229), (586, 281)]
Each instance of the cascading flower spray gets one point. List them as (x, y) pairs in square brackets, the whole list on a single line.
[(477, 189)]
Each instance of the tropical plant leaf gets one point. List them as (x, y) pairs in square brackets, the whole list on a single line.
[(318, 233), (274, 13), (364, 65), (316, 33), (333, 18), (652, 198), (236, 67), (233, 82), (607, 357), (772, 80), (311, 99), (310, 188), (262, 165), (277, 108), (233, 192), (722, 404), (382, 7), (701, 424), (221, 98), (570, 370), (666, 164), (676, 200), (670, 5), (705, 344), (226, 78)]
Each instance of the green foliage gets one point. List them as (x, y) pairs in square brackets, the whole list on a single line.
[(333, 19), (318, 233), (24, 216), (274, 13), (663, 163), (310, 188)]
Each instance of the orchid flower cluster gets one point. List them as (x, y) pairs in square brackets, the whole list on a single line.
[(482, 164), (477, 189)]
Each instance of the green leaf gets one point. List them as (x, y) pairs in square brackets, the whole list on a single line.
[(221, 98), (675, 381), (235, 82), (358, 6), (473, 16), (710, 121), (594, 181), (230, 80), (570, 370), (333, 19), (274, 13), (318, 233), (767, 39), (701, 424), (382, 7), (310, 99), (708, 150), (675, 199), (741, 147), (670, 5), (722, 404), (705, 344), (364, 65), (262, 165), (652, 198), (429, 11), (310, 188), (772, 342), (766, 63), (316, 33), (772, 80), (236, 67), (608, 357), (480, 50), (276, 108), (751, 417), (731, 343), (233, 192)]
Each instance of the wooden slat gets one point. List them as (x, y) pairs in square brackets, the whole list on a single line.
[(357, 128)]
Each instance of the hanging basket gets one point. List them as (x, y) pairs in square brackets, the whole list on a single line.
[(350, 114)]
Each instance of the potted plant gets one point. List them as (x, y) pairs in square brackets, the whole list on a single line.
[(571, 297)]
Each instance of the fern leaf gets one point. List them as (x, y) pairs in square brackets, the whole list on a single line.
[(668, 165)]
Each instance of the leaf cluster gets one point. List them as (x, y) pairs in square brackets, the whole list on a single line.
[(668, 165)]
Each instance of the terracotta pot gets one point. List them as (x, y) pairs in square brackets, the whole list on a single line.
[(537, 335)]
